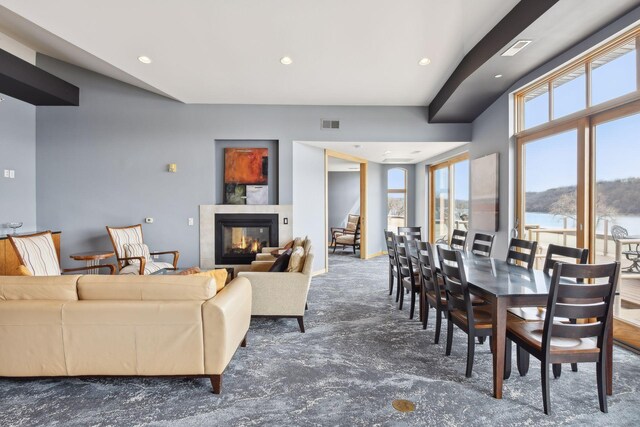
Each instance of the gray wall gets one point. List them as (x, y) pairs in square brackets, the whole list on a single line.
[(343, 198), (17, 152), (272, 179), (104, 163), (493, 132)]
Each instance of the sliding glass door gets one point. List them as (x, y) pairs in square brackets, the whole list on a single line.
[(616, 228)]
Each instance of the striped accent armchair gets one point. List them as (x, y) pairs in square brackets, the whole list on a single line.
[(38, 256), (133, 255)]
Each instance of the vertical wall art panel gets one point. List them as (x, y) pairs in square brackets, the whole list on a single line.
[(485, 201), (242, 167)]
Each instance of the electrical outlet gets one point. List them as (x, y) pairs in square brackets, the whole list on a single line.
[(190, 221), (12, 174), (285, 221)]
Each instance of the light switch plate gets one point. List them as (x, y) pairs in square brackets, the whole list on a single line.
[(12, 174), (6, 173), (190, 221), (148, 220)]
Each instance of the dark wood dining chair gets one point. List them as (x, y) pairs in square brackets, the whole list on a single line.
[(482, 244), (409, 276), (475, 321), (523, 251), (411, 233), (393, 261), (556, 340), (458, 240), (432, 291), (555, 254)]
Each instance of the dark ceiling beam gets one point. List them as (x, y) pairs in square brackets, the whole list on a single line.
[(22, 80), (516, 21)]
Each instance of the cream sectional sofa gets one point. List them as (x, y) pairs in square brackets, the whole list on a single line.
[(121, 326)]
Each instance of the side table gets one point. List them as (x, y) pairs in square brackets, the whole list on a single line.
[(92, 257)]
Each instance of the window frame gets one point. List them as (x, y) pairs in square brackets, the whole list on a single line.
[(449, 163), (398, 191), (585, 61)]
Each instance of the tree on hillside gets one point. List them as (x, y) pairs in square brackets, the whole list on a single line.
[(565, 206)]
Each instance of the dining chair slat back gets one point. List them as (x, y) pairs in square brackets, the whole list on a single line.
[(482, 244), (410, 233), (523, 251), (580, 256), (458, 240), (393, 261)]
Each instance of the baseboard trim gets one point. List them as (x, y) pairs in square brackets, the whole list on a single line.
[(319, 272), (377, 254)]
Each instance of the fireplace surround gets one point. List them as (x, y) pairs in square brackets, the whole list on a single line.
[(238, 237)]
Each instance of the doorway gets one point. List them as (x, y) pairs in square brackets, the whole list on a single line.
[(345, 194)]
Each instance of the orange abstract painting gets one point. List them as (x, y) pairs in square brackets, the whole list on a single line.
[(246, 165)]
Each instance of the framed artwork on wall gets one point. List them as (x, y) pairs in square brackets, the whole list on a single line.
[(245, 167), (485, 193)]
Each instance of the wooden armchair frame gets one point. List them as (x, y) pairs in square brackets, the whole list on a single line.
[(123, 261), (111, 267), (345, 232)]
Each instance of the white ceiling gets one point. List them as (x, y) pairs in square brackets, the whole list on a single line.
[(400, 152), (340, 165), (357, 52)]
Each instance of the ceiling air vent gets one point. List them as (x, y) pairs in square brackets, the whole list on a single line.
[(390, 160), (330, 124), (516, 47)]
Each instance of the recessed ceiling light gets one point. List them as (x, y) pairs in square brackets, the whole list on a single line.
[(144, 59), (286, 60), (357, 146), (497, 76), (424, 61), (416, 152), (387, 152)]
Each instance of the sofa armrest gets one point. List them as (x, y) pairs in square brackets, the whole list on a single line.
[(261, 266), (265, 257), (278, 294), (225, 320)]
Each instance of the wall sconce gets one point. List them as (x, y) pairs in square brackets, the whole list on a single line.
[(172, 168)]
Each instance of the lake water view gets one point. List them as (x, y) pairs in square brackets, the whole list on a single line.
[(546, 220)]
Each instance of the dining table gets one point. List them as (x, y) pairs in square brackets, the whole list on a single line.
[(504, 285)]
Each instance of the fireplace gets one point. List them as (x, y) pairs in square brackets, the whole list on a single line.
[(238, 237)]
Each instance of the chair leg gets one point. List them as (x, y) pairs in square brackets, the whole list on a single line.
[(413, 304), (449, 335), (523, 361), (471, 347), (354, 249), (216, 383), (401, 298), (390, 280), (438, 326), (557, 370), (306, 306), (398, 287), (601, 380), (425, 316), (334, 247), (507, 359), (574, 367), (544, 374), (301, 323), (481, 340), (244, 342)]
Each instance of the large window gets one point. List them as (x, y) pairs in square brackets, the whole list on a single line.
[(449, 198), (578, 151), (396, 199)]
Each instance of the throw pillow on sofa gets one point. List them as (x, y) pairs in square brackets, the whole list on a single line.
[(296, 261), (282, 262), (220, 274)]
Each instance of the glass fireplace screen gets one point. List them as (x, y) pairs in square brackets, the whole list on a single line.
[(244, 240)]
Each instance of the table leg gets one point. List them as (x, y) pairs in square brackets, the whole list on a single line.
[(499, 330)]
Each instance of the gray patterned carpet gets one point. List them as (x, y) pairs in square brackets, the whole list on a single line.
[(359, 353)]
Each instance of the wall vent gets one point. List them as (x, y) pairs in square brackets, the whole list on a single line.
[(516, 47), (330, 124)]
